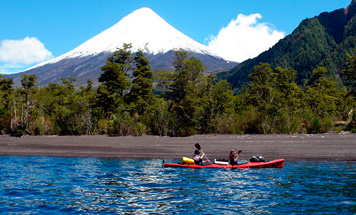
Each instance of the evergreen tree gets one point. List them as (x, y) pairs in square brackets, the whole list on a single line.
[(115, 79), (141, 93), (217, 100), (349, 74), (6, 93), (185, 87), (289, 93), (322, 98), (187, 71), (262, 87), (28, 83)]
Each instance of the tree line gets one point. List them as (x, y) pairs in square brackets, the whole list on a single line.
[(132, 100)]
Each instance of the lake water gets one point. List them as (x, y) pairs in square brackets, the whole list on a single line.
[(56, 185)]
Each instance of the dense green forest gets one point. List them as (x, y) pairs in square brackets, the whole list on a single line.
[(321, 41), (187, 101)]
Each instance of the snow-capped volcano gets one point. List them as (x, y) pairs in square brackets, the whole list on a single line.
[(145, 30)]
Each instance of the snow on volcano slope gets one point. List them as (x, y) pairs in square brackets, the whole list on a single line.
[(145, 30)]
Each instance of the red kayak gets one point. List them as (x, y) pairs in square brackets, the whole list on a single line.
[(270, 164)]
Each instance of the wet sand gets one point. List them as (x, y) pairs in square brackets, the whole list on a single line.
[(298, 147)]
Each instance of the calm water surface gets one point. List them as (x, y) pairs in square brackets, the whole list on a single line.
[(54, 185)]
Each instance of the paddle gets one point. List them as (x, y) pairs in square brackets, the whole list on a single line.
[(238, 154), (197, 145)]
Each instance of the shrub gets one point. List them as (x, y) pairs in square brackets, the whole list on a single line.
[(123, 124), (320, 126)]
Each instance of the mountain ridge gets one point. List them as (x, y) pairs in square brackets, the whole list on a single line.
[(322, 40)]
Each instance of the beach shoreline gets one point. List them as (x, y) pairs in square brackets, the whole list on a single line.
[(291, 147)]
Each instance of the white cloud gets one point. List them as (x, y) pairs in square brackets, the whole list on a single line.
[(244, 38), (23, 52)]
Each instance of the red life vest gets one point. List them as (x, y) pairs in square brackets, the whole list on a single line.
[(232, 159)]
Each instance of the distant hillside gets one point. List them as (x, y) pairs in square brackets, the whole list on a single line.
[(88, 67), (320, 41)]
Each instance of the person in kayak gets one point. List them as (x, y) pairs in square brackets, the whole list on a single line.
[(198, 157), (233, 158)]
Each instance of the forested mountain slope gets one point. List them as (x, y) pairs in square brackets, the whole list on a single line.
[(323, 40)]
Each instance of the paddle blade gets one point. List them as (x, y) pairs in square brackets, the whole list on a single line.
[(239, 152), (197, 145)]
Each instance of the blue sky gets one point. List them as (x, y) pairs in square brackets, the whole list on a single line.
[(57, 26)]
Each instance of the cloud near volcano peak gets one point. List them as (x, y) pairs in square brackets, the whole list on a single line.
[(23, 52), (244, 38)]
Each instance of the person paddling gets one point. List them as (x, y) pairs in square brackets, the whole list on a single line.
[(198, 157), (233, 158)]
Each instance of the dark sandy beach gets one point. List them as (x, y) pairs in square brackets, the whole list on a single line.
[(303, 147)]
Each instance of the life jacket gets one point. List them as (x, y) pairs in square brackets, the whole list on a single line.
[(232, 158), (196, 157)]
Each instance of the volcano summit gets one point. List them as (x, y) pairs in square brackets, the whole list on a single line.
[(145, 30)]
